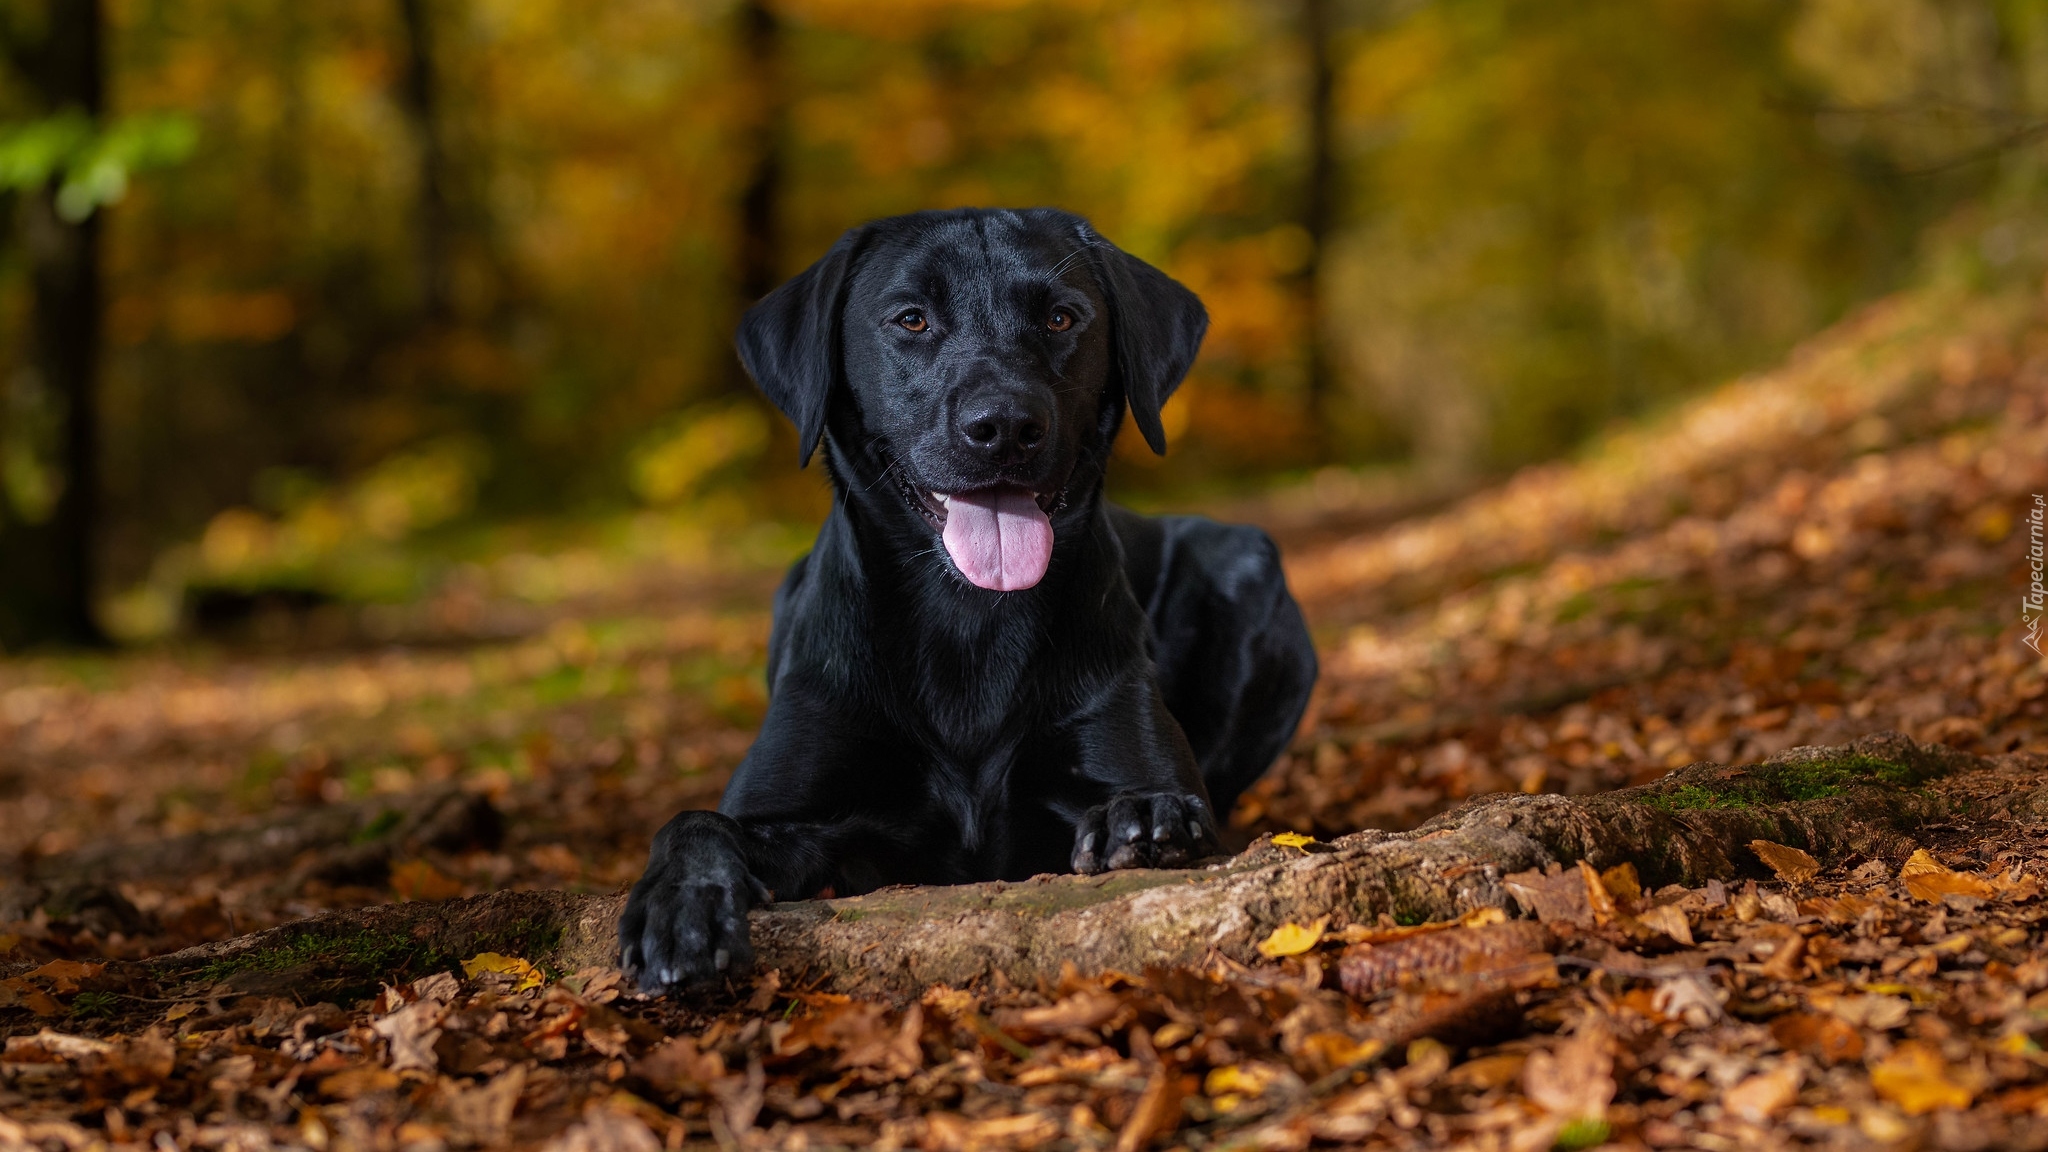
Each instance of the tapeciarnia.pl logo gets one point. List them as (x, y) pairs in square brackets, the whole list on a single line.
[(2037, 562)]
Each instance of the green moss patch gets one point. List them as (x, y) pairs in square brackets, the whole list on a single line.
[(1789, 780)]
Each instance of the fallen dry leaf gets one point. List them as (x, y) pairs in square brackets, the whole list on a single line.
[(1918, 1080), (1554, 896), (410, 1033), (420, 880), (1084, 1009), (355, 1083), (1670, 920), (1291, 939), (1765, 1094), (1828, 1039), (525, 975), (1575, 1080), (1929, 879), (1792, 865), (604, 1129), (1598, 899), (63, 976), (1622, 883), (1157, 1112)]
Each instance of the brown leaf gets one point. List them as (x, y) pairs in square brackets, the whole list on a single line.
[(1788, 959), (1792, 865), (678, 1069), (1764, 1095), (1598, 898), (354, 1083), (1669, 919), (1157, 1113), (20, 993), (605, 1130), (1023, 1130), (144, 1059), (1555, 897), (63, 976), (486, 1110), (1574, 1081), (410, 1033), (1084, 1009), (1488, 1072), (1828, 1039)]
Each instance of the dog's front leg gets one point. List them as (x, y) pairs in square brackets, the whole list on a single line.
[(686, 920), (1157, 813)]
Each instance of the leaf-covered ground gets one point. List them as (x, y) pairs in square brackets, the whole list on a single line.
[(1827, 550)]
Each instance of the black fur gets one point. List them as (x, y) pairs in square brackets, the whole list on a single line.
[(924, 730)]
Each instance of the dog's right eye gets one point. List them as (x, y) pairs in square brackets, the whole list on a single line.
[(913, 321)]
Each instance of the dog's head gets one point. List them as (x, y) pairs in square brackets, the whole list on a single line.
[(975, 363)]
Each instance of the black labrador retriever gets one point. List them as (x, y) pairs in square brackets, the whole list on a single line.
[(984, 670)]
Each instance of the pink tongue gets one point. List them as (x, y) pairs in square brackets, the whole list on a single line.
[(999, 538)]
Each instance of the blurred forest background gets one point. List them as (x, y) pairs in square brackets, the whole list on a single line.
[(314, 300)]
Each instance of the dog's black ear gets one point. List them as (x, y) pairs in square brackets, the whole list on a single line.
[(789, 341), (1157, 325)]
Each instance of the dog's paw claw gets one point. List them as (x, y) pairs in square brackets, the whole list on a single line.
[(1163, 829)]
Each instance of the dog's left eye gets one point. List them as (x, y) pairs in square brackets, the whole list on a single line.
[(1060, 320), (913, 321)]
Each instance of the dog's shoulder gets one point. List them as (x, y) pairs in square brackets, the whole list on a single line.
[(1229, 559)]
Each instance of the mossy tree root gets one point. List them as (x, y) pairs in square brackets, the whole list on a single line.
[(1860, 801)]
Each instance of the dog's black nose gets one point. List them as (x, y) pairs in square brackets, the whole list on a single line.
[(1005, 427)]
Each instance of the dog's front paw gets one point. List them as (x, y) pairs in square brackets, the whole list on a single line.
[(685, 922), (1142, 830)]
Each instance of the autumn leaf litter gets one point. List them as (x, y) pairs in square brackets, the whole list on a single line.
[(1856, 584)]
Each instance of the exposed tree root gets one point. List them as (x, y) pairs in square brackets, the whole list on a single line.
[(1843, 804)]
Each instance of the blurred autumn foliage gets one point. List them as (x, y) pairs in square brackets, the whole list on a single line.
[(386, 267)]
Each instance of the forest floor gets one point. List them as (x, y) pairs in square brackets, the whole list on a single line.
[(1803, 557)]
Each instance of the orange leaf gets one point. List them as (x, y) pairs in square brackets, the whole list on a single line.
[(63, 975), (1929, 879), (1792, 865), (419, 880)]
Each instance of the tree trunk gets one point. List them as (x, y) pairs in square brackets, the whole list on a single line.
[(1318, 206), (47, 579), (757, 267), (1864, 801), (420, 88)]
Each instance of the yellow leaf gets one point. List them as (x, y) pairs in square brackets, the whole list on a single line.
[(1481, 917), (1792, 865), (1291, 939), (1622, 882), (529, 976), (1243, 1079), (1292, 840), (1916, 1078)]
